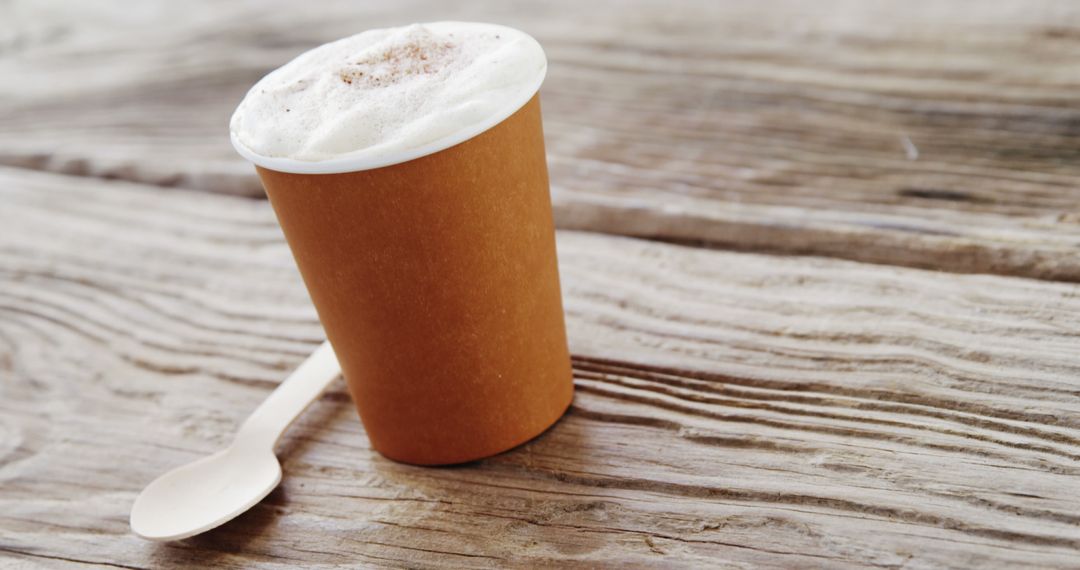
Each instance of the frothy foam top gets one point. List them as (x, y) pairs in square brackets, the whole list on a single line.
[(387, 96)]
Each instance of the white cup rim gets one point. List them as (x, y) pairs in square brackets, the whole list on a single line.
[(347, 164)]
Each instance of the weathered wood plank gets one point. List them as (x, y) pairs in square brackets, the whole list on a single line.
[(941, 135), (735, 409)]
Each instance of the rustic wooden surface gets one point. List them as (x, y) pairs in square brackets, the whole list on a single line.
[(734, 408), (920, 133)]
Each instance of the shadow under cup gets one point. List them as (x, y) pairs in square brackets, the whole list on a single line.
[(437, 283)]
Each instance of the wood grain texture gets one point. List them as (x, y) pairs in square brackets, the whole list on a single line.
[(735, 410), (923, 133)]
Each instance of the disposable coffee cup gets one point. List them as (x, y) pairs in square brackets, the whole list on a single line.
[(434, 273)]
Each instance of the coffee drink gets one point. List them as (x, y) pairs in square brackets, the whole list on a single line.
[(407, 169)]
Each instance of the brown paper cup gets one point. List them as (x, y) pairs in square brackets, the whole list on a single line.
[(437, 283)]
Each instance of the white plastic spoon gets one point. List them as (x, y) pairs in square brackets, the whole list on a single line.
[(201, 495)]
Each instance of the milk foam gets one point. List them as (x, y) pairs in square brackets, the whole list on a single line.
[(385, 96)]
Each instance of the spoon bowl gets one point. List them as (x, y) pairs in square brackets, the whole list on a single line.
[(201, 495)]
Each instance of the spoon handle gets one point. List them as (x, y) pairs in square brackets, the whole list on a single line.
[(300, 389)]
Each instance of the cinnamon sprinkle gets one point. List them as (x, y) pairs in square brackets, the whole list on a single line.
[(420, 55)]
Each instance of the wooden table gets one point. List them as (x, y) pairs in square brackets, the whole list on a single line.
[(840, 327)]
